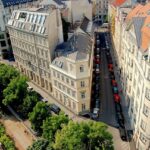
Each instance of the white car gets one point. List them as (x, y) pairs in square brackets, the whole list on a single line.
[(95, 113), (30, 88)]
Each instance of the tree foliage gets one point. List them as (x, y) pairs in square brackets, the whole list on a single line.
[(7, 73), (38, 115), (15, 91), (52, 124), (28, 103), (83, 136), (5, 140), (40, 144)]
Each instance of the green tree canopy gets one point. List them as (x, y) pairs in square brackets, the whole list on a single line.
[(40, 144), (28, 103), (15, 91), (52, 124), (83, 136), (7, 73), (38, 115)]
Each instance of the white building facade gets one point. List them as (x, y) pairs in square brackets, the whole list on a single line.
[(34, 37), (133, 64), (6, 9)]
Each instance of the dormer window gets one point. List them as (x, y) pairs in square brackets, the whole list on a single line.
[(82, 68)]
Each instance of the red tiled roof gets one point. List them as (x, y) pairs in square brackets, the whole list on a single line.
[(117, 3)]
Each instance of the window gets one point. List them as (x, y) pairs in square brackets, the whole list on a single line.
[(62, 78), (59, 86), (3, 43), (81, 69), (68, 91), (67, 80), (64, 88), (74, 105), (58, 75), (1, 36), (143, 138), (82, 95), (54, 74), (82, 84), (83, 107), (143, 125), (147, 94), (72, 83), (73, 93), (145, 110), (55, 83)]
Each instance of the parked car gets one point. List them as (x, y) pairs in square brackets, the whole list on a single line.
[(110, 66), (116, 98), (45, 100), (97, 87), (97, 103), (118, 107), (97, 78), (55, 108), (115, 89), (113, 82), (98, 56), (97, 70), (123, 135), (98, 50), (95, 114), (120, 118), (30, 88)]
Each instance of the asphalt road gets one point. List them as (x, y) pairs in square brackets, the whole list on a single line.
[(107, 110)]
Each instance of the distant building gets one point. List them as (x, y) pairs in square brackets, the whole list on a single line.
[(6, 9), (71, 70), (71, 10), (100, 10), (35, 33)]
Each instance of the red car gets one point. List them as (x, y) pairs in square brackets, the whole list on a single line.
[(116, 98), (113, 82), (110, 66)]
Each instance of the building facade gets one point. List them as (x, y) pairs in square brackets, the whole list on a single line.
[(100, 10), (72, 11), (34, 37), (6, 9), (72, 72), (134, 71)]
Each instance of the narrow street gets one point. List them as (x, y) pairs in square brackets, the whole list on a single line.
[(107, 113)]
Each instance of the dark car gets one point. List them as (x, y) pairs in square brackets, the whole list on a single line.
[(97, 78), (97, 87), (118, 107), (120, 119), (123, 135), (55, 108), (115, 89)]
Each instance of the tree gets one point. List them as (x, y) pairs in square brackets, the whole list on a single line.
[(71, 137), (38, 115), (85, 136), (15, 91), (7, 73), (40, 144), (52, 124), (28, 103)]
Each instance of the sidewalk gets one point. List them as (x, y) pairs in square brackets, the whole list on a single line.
[(123, 101)]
